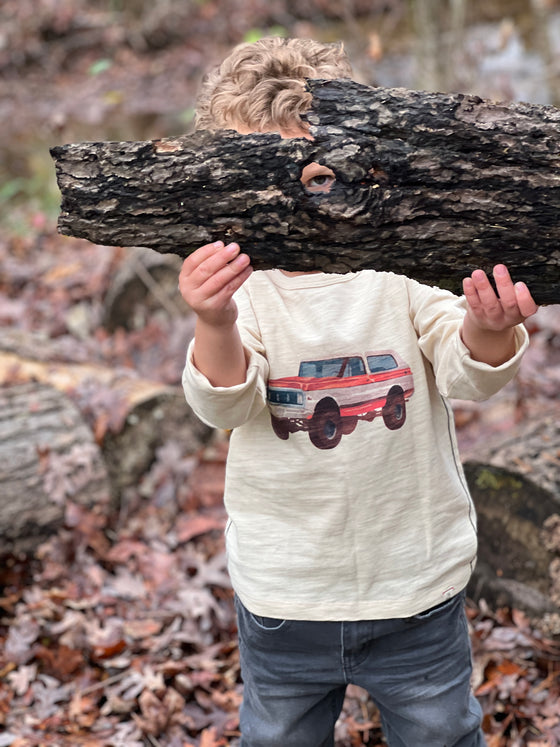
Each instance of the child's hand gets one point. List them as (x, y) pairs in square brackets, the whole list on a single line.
[(511, 306), (487, 329), (209, 278)]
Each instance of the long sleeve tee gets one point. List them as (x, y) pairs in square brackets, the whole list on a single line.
[(344, 489)]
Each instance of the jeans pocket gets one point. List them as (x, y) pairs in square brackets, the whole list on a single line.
[(268, 623), (248, 621)]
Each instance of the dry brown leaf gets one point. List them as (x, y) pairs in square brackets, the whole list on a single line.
[(189, 527)]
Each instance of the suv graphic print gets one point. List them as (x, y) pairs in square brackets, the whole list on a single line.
[(328, 397)]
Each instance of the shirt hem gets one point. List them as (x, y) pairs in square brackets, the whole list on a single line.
[(334, 612)]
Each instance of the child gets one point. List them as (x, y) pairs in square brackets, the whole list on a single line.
[(351, 534)]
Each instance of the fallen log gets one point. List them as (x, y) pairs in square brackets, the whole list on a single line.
[(429, 185), (515, 484), (48, 456), (128, 416)]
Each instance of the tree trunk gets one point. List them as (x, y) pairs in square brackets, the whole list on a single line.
[(428, 185), (515, 484), (47, 456)]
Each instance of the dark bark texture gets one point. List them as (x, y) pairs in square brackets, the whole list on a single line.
[(428, 185), (515, 485)]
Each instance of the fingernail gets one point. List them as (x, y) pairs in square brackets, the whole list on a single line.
[(218, 244), (232, 247)]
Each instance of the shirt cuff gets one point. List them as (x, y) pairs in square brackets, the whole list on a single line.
[(223, 407), (487, 379)]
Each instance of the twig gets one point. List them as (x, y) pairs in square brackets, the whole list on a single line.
[(155, 289), (104, 683), (154, 741)]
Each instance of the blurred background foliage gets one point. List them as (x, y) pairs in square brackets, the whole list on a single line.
[(129, 69)]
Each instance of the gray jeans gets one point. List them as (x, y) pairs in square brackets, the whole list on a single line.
[(417, 671)]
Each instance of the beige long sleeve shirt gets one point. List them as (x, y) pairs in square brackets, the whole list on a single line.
[(344, 488)]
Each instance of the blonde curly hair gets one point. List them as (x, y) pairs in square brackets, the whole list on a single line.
[(260, 86)]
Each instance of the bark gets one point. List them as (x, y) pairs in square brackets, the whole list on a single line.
[(129, 417), (515, 485), (47, 456), (428, 185)]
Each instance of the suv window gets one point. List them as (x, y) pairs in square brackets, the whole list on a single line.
[(332, 367), (379, 363), (354, 367)]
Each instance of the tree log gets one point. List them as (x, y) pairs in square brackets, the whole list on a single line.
[(515, 485), (130, 417), (428, 185), (47, 456)]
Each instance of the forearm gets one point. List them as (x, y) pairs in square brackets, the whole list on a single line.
[(488, 346), (219, 354)]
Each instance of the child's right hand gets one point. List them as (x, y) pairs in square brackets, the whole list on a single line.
[(209, 278)]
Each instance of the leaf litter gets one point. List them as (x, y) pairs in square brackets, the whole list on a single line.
[(126, 635)]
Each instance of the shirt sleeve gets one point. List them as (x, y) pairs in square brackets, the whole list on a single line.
[(230, 407), (437, 316)]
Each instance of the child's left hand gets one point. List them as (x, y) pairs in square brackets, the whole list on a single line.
[(487, 329), (511, 306)]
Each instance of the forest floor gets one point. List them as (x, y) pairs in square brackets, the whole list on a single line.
[(120, 630)]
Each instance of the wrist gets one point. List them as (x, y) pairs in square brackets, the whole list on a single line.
[(218, 353), (490, 346)]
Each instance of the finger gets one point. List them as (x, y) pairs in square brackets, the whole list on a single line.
[(488, 302), (221, 272), (525, 301), (200, 255), (224, 294), (471, 293), (205, 273), (215, 261), (505, 288)]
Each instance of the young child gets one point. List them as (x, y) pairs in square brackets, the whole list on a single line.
[(351, 533)]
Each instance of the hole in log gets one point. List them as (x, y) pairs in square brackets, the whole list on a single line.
[(317, 178)]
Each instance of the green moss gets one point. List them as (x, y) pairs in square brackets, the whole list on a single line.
[(488, 479)]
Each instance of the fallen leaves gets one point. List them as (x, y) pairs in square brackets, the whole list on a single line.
[(125, 632), (516, 678)]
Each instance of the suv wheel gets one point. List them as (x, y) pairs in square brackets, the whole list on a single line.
[(325, 431), (394, 411), (280, 427)]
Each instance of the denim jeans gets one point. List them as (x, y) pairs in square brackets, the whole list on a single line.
[(417, 671)]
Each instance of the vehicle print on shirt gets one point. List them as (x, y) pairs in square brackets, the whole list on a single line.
[(329, 396)]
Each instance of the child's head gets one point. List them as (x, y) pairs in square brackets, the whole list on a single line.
[(260, 86)]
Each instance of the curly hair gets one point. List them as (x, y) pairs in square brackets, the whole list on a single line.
[(261, 85)]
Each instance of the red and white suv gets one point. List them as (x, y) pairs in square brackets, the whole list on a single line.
[(328, 397)]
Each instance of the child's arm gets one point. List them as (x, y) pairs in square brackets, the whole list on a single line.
[(487, 329), (208, 279)]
